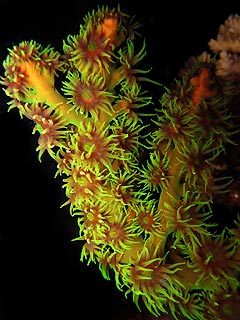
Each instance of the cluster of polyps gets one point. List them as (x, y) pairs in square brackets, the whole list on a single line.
[(142, 189)]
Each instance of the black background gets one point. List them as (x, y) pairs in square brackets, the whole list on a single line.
[(41, 275)]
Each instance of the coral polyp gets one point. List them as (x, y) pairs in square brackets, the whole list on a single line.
[(88, 94), (215, 264)]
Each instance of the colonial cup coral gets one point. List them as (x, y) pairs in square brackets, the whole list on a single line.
[(142, 177)]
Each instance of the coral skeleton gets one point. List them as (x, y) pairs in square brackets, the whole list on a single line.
[(141, 177)]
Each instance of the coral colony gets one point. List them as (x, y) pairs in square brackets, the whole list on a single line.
[(141, 178)]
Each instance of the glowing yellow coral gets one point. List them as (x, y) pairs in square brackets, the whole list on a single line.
[(140, 177)]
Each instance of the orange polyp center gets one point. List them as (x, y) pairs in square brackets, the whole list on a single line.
[(109, 28), (87, 96), (202, 86)]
